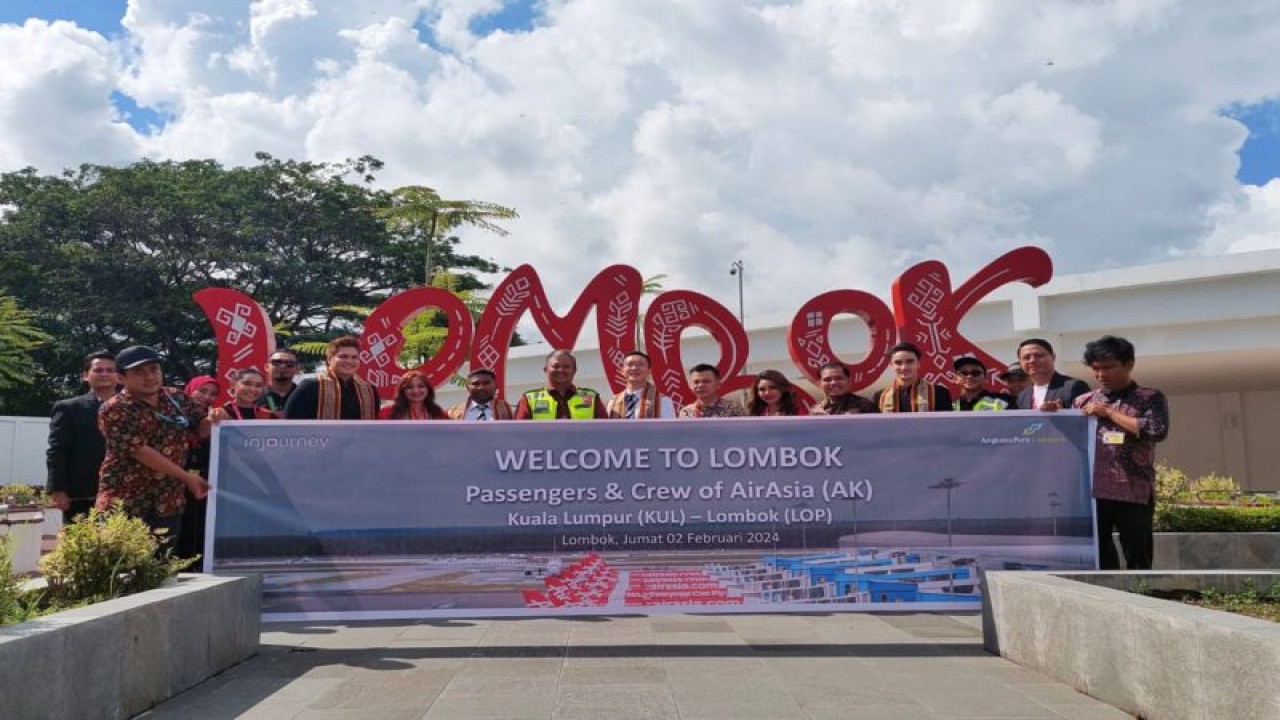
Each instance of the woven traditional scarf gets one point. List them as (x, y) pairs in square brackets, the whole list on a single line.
[(329, 398), (920, 392), (648, 404)]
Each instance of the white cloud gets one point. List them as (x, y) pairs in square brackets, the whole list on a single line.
[(826, 143), (55, 99)]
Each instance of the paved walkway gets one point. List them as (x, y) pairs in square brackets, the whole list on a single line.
[(848, 665)]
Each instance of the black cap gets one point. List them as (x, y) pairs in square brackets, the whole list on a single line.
[(967, 360), (1014, 370), (135, 356)]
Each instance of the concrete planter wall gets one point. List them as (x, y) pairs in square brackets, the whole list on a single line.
[(118, 658), (1153, 658), (1217, 551)]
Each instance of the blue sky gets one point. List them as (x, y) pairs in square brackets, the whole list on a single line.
[(1259, 157), (664, 132)]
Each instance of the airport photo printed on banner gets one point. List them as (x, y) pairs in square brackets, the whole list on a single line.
[(350, 520)]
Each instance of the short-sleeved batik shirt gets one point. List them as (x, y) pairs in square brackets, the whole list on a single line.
[(129, 423)]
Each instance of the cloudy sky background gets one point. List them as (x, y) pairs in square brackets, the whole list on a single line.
[(827, 143)]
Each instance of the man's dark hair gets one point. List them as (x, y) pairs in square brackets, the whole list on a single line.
[(637, 353), (96, 355), (1108, 347), (482, 371), (1036, 341), (835, 365), (286, 350), (905, 347), (704, 367)]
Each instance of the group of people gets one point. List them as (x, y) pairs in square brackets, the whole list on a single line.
[(146, 446)]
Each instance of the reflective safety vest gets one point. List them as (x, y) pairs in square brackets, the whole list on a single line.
[(987, 402), (543, 406)]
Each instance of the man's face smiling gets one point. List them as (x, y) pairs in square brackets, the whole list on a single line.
[(560, 371), (635, 370), (834, 383), (345, 363)]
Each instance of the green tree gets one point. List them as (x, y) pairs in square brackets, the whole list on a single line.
[(19, 337), (110, 256), (420, 210)]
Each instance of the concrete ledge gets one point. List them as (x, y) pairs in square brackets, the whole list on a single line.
[(1216, 551), (118, 658), (1152, 658)]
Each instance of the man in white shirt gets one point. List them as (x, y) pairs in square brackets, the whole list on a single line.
[(641, 398), (1049, 389)]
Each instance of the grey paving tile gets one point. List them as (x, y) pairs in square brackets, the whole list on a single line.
[(738, 697), (546, 669), (985, 704), (615, 703), (618, 674), (500, 689), (491, 708)]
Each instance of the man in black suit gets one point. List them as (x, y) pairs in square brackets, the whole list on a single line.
[(76, 447), (1049, 389)]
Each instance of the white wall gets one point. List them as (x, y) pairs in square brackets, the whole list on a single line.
[(23, 441)]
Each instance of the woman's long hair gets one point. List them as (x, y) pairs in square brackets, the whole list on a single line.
[(787, 404), (400, 406)]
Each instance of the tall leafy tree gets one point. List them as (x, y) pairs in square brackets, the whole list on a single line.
[(110, 256), (19, 337), (421, 211)]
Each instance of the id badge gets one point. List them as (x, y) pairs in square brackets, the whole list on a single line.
[(1113, 437), (541, 407)]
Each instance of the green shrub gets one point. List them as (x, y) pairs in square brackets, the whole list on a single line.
[(19, 494), (105, 556), (1219, 518), (1171, 483)]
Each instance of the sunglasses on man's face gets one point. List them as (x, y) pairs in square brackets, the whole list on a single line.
[(970, 373), (284, 363)]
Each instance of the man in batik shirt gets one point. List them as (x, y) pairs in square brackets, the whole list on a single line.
[(1131, 420), (147, 428), (704, 380), (836, 398)]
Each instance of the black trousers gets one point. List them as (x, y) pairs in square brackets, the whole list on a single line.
[(1135, 523)]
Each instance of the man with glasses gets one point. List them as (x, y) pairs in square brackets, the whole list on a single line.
[(338, 393), (147, 428), (641, 398), (971, 377), (282, 368)]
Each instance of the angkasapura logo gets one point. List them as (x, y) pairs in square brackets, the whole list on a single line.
[(1030, 434)]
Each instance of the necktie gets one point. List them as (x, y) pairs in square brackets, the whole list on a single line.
[(482, 412), (633, 400)]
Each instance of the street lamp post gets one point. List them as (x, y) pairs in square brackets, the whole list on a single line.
[(1054, 504), (948, 484), (739, 269)]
